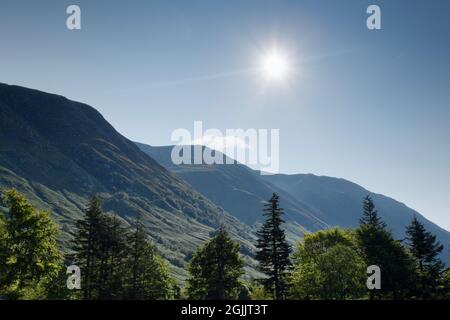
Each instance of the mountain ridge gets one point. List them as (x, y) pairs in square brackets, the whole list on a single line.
[(339, 205), (59, 152)]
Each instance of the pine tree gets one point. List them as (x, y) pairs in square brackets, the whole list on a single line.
[(87, 248), (116, 263), (426, 250), (273, 250), (380, 248), (114, 249), (32, 255), (149, 277), (215, 269), (370, 215), (138, 256)]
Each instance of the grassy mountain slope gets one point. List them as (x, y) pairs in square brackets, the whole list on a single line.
[(59, 152), (329, 201), (240, 191)]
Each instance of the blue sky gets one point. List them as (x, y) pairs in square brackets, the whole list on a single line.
[(369, 106)]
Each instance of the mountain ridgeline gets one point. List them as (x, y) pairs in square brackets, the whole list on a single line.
[(310, 201), (58, 153)]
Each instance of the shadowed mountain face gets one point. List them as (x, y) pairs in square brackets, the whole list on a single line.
[(59, 153), (310, 201), (240, 191)]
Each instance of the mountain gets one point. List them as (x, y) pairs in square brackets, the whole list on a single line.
[(310, 201), (59, 153), (340, 202), (240, 191)]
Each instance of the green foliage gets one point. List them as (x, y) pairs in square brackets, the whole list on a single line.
[(258, 292), (425, 250), (380, 248), (273, 250), (116, 263), (4, 252), (30, 255), (327, 265), (149, 275), (215, 269), (445, 289)]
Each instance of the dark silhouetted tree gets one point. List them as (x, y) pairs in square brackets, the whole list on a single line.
[(425, 249), (273, 250), (380, 248), (87, 248)]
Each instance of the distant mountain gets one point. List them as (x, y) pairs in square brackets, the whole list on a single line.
[(240, 191), (340, 200), (310, 201), (59, 153)]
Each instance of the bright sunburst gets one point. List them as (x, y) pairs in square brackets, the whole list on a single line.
[(275, 65)]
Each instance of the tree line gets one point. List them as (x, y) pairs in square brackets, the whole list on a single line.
[(327, 264), (118, 261)]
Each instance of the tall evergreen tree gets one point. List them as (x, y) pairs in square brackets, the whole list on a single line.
[(380, 248), (87, 248), (113, 262), (215, 269), (148, 277), (116, 263), (425, 249), (370, 216), (31, 251), (273, 250)]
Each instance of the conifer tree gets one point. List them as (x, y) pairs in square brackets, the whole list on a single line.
[(113, 262), (379, 248), (148, 277), (215, 269), (425, 249), (87, 248), (273, 250)]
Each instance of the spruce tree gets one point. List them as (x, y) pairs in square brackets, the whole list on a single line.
[(138, 256), (148, 277), (87, 248), (215, 270), (114, 253), (116, 263), (379, 248), (425, 249), (273, 250)]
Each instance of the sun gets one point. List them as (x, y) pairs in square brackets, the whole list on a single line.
[(275, 65)]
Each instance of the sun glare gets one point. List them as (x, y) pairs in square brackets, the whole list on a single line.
[(275, 65)]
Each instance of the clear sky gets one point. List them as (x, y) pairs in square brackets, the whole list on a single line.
[(369, 106)]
